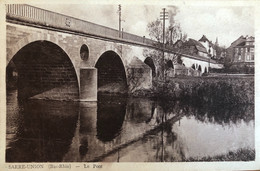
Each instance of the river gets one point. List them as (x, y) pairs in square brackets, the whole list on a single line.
[(121, 129)]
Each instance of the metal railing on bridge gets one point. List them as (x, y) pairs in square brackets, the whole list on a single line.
[(33, 15)]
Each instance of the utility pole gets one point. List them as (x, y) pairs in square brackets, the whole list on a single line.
[(119, 14), (120, 31), (163, 16)]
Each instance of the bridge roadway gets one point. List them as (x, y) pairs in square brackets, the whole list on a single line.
[(61, 57)]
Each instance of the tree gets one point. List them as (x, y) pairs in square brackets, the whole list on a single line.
[(172, 33), (155, 29), (229, 59)]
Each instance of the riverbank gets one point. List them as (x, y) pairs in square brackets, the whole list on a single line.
[(239, 155), (211, 90)]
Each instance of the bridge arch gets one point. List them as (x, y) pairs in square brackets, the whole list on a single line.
[(206, 70), (44, 71), (149, 61), (199, 68), (193, 66), (169, 64), (111, 73), (33, 37)]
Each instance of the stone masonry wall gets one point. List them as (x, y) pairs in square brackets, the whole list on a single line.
[(42, 79)]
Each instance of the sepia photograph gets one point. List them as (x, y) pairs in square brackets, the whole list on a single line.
[(128, 83)]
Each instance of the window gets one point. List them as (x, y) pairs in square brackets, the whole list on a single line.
[(252, 56), (247, 57), (84, 52)]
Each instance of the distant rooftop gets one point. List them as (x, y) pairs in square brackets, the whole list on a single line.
[(197, 44), (203, 39)]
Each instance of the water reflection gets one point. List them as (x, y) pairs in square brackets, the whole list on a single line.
[(42, 127), (110, 117), (118, 129), (229, 114)]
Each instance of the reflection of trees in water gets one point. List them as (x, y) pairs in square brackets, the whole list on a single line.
[(164, 142), (209, 113), (223, 114), (165, 148), (140, 110)]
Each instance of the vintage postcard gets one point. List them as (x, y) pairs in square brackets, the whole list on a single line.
[(129, 85)]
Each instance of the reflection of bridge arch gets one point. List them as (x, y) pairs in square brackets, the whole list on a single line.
[(111, 71), (43, 66), (149, 61), (111, 113)]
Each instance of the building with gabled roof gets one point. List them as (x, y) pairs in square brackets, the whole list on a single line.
[(244, 50), (241, 55), (194, 47), (210, 47)]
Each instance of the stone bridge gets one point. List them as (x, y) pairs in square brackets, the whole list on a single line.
[(59, 57)]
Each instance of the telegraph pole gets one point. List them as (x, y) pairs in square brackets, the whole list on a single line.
[(119, 14), (163, 16)]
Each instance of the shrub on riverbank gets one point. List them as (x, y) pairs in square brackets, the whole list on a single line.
[(200, 90)]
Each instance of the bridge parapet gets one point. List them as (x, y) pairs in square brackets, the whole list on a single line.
[(34, 15), (26, 14)]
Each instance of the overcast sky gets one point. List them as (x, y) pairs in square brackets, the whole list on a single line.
[(226, 23)]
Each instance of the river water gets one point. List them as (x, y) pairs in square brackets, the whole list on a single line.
[(120, 129)]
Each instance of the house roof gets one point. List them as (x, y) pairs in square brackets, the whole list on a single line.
[(203, 39), (201, 49), (197, 44), (237, 41), (242, 42), (177, 42)]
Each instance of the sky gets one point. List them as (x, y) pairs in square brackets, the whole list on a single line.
[(223, 22)]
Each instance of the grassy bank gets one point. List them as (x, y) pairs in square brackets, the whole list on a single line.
[(212, 90), (239, 155)]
